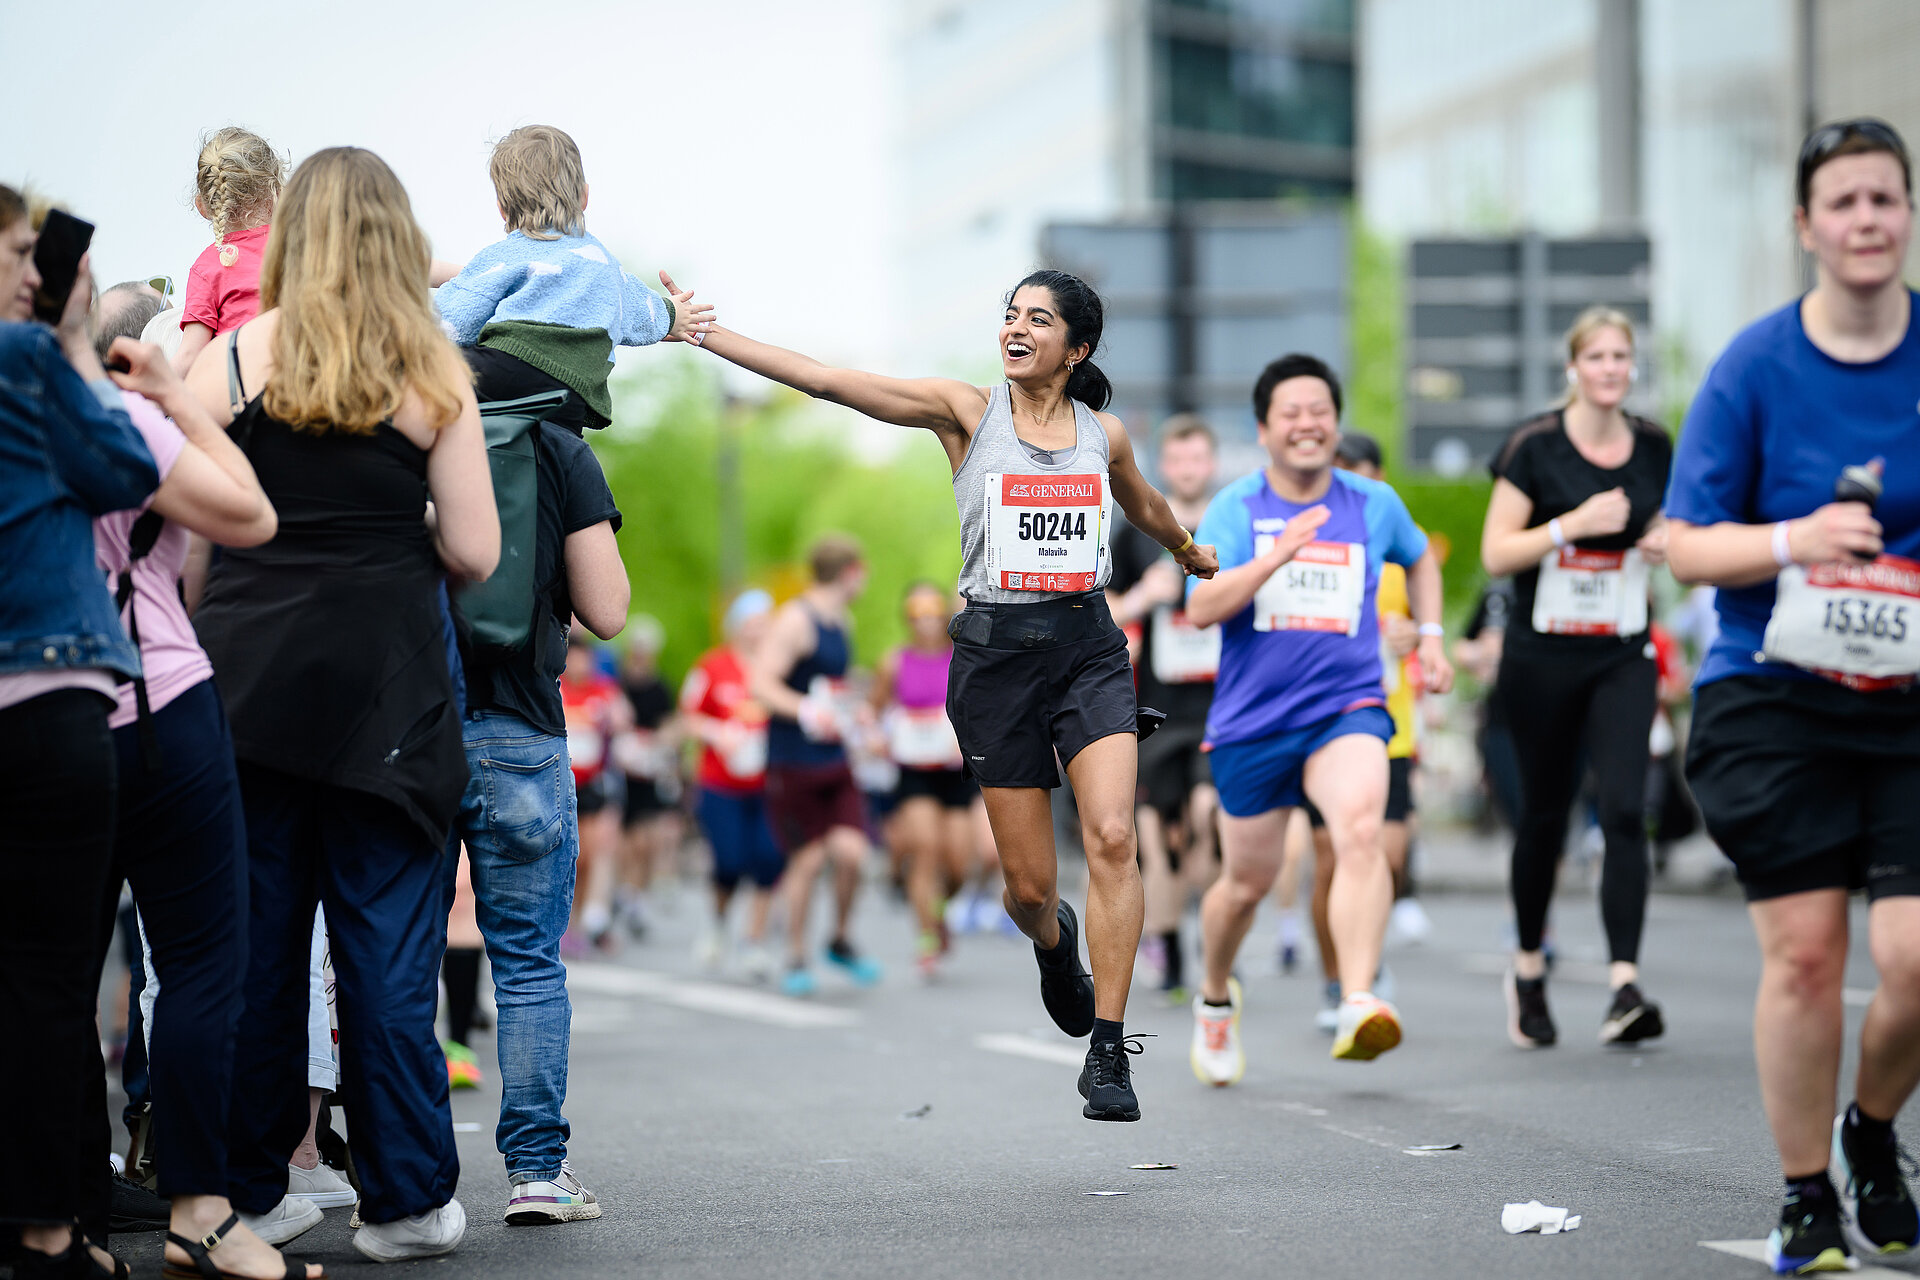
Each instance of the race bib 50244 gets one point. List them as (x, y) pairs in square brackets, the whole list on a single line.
[(1858, 624), (1322, 588), (1046, 533)]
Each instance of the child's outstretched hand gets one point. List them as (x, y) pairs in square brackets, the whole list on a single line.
[(690, 323)]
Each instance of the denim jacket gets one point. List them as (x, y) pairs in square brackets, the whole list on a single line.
[(68, 453)]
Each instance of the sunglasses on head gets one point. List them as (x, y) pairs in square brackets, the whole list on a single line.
[(162, 285), (1823, 142)]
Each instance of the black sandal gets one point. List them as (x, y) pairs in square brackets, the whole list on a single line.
[(205, 1268)]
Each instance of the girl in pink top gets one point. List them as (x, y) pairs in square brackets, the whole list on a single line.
[(236, 184)]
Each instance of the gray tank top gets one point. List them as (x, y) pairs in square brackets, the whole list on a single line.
[(1066, 528)]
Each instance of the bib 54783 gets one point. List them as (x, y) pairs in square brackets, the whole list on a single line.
[(1321, 589), (1045, 532), (1857, 624), (1591, 593)]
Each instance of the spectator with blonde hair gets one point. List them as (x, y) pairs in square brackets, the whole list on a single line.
[(327, 646), (236, 181)]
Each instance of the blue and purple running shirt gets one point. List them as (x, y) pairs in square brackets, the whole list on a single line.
[(1308, 646)]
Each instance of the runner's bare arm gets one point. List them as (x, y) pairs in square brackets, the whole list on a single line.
[(1741, 555), (787, 640), (1426, 597), (942, 405), (1147, 507), (1228, 592), (1509, 544), (880, 692)]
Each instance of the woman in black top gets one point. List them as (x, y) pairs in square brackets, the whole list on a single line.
[(327, 644), (1575, 518)]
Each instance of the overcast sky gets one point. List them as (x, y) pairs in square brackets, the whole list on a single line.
[(742, 145)]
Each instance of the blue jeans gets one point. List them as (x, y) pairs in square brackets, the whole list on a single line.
[(519, 820)]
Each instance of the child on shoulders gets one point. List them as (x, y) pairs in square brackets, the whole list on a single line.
[(236, 183)]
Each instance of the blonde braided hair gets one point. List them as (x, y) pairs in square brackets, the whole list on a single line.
[(237, 180)]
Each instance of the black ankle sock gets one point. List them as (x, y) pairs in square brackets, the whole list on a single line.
[(1105, 1032), (1812, 1188), (1176, 968), (461, 969), (1866, 1131), (1216, 1004)]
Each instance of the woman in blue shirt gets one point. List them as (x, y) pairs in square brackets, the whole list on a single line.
[(68, 453), (1805, 751)]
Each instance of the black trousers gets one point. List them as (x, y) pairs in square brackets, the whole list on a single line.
[(181, 842), (1557, 705), (57, 783)]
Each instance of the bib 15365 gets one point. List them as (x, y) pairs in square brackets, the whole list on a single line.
[(1322, 588), (1591, 593), (1857, 624), (1046, 533)]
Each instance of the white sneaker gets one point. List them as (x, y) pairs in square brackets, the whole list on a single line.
[(321, 1185), (561, 1200), (292, 1218), (1217, 1056), (1327, 1017), (424, 1235), (1409, 922), (759, 963)]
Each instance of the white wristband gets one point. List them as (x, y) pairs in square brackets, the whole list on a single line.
[(1558, 534), (1782, 549), (1432, 629)]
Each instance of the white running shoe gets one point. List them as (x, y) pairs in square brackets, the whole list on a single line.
[(561, 1200), (1409, 922), (424, 1235), (1327, 1018), (1369, 1026), (292, 1218), (1217, 1056), (759, 962), (710, 948), (322, 1186)]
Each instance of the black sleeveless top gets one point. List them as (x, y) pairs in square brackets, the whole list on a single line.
[(327, 642), (786, 743)]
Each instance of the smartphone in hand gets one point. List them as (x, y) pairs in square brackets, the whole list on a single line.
[(63, 242)]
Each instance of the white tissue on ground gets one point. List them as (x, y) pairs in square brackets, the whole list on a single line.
[(1517, 1219)]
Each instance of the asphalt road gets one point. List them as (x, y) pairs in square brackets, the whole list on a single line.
[(934, 1130)]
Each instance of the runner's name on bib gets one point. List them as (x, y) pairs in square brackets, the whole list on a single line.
[(922, 738), (1858, 624), (1182, 652), (1046, 533), (1323, 588), (1591, 593)]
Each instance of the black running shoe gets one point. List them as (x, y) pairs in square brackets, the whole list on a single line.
[(1877, 1212), (1631, 1018), (135, 1208), (1808, 1239), (1529, 1024), (1106, 1082), (1066, 988)]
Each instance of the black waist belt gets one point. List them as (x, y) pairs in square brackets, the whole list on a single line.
[(1044, 624)]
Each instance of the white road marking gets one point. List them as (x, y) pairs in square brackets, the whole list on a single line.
[(1756, 1250), (1027, 1047), (708, 997)]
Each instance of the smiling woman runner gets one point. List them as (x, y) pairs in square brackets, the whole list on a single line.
[(1038, 665)]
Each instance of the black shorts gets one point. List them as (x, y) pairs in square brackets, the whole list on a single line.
[(1013, 708), (643, 800), (951, 788), (1172, 765), (1399, 794), (1805, 784), (603, 789)]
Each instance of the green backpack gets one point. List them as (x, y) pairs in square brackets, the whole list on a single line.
[(500, 612)]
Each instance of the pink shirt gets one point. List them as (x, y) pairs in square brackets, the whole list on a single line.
[(170, 653), (224, 297)]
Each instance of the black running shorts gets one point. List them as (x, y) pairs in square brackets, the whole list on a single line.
[(949, 788), (1013, 708), (1172, 765), (1806, 784)]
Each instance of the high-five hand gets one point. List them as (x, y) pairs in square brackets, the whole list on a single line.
[(690, 323), (1298, 533)]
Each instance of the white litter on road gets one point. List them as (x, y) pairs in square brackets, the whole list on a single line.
[(1518, 1219)]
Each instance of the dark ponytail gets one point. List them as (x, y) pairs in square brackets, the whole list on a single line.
[(1075, 302)]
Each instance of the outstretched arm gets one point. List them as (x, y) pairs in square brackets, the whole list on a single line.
[(941, 405)]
